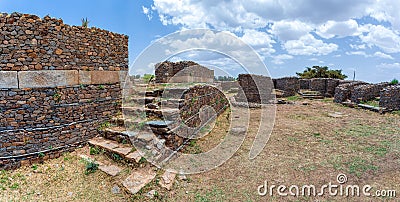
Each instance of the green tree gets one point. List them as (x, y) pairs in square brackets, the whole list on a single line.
[(321, 72)]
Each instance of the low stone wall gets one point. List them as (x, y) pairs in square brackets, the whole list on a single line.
[(343, 91), (182, 72), (255, 89), (367, 92), (390, 98), (290, 85)]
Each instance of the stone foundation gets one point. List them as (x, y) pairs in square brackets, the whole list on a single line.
[(182, 72), (255, 89)]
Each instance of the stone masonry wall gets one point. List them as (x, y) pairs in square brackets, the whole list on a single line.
[(182, 72), (290, 85), (367, 92), (325, 86), (58, 83), (255, 89), (343, 91), (390, 98)]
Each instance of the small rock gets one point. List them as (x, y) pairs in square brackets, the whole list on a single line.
[(182, 177), (70, 194), (115, 189), (151, 194)]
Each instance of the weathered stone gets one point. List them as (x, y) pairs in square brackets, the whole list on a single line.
[(138, 179), (167, 180), (47, 78), (134, 156), (8, 79), (112, 170), (99, 77)]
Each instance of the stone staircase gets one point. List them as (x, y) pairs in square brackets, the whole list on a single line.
[(308, 94), (149, 122)]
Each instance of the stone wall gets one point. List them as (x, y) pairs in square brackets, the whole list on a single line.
[(227, 85), (390, 98), (325, 86), (58, 83), (28, 42), (182, 72), (305, 83), (367, 92), (255, 89), (343, 91), (290, 85)]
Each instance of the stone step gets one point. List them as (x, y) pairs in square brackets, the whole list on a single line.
[(167, 180), (106, 167), (143, 100), (128, 152), (138, 179), (171, 113), (312, 96)]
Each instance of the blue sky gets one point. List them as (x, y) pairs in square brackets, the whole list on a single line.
[(358, 35)]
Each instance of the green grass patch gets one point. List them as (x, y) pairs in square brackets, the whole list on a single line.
[(359, 166), (374, 103), (293, 98)]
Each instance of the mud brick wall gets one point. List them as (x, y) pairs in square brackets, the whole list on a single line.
[(290, 85), (255, 89), (390, 98), (58, 83), (182, 72), (343, 91), (325, 86), (367, 92)]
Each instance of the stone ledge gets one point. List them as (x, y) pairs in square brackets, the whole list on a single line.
[(8, 79), (47, 78), (100, 77)]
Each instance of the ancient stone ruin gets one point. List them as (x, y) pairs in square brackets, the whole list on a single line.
[(255, 89), (390, 97), (58, 83), (182, 72)]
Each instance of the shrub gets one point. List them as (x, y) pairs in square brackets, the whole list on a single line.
[(394, 81)]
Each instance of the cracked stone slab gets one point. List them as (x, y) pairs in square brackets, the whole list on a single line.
[(112, 170), (138, 179), (167, 180)]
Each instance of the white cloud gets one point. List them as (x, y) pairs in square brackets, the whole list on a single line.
[(147, 12), (376, 54), (279, 59), (358, 47), (290, 30), (309, 45), (386, 11), (362, 53), (339, 29), (389, 65), (383, 55), (382, 37)]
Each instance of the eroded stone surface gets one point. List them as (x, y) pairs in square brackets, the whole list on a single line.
[(167, 180), (138, 179), (112, 170), (47, 78)]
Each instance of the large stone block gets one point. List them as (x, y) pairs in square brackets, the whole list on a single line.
[(47, 78), (8, 79), (99, 77)]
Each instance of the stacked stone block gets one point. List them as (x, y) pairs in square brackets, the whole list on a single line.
[(343, 91), (290, 85), (182, 72), (325, 86), (58, 84), (255, 89), (367, 92), (390, 98)]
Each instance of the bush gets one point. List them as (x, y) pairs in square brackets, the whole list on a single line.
[(148, 77), (321, 72), (394, 81)]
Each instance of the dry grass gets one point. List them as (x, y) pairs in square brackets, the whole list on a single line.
[(306, 147)]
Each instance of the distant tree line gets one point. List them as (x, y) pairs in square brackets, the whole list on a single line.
[(224, 78), (321, 72)]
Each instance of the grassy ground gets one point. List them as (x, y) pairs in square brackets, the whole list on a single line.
[(307, 147)]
